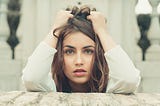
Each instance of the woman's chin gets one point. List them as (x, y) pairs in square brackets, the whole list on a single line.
[(80, 81)]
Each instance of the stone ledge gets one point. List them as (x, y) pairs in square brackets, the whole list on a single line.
[(19, 98)]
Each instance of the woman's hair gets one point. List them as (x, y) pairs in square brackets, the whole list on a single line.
[(99, 74)]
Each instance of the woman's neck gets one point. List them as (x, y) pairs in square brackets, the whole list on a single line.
[(83, 88)]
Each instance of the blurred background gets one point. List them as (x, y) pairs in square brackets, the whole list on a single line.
[(134, 24)]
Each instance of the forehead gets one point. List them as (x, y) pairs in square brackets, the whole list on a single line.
[(78, 39)]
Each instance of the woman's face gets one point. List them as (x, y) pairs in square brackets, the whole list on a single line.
[(79, 53)]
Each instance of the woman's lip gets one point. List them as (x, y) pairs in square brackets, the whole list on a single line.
[(80, 70)]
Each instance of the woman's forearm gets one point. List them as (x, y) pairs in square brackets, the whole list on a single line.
[(106, 40), (123, 75), (51, 40), (39, 63)]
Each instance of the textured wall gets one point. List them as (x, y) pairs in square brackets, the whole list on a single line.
[(17, 98)]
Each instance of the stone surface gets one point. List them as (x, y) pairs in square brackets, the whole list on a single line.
[(20, 98)]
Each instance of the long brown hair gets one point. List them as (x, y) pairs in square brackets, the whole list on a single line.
[(99, 74)]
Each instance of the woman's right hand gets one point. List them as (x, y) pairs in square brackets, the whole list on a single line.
[(60, 19)]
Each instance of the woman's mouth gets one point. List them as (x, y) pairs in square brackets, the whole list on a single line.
[(79, 72)]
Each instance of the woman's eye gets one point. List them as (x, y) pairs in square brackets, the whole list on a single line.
[(88, 51), (69, 52)]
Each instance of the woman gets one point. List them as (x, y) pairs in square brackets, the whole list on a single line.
[(85, 58)]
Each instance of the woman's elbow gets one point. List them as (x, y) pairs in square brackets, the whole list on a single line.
[(135, 80), (30, 76), (32, 86), (130, 85)]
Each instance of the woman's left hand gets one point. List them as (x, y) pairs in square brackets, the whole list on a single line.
[(98, 21), (99, 25)]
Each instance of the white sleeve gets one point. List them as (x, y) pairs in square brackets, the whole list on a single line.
[(123, 75), (36, 74)]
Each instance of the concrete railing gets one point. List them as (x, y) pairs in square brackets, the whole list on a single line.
[(19, 98)]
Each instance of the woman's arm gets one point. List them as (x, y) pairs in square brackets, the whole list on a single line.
[(123, 76), (99, 26), (60, 19), (36, 74)]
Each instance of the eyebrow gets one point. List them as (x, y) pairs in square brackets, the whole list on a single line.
[(74, 47)]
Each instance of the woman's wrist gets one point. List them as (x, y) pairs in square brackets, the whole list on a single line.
[(106, 40), (51, 40), (101, 31)]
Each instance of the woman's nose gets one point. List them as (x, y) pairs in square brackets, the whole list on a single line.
[(79, 60)]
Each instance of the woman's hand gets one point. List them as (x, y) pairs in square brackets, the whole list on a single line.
[(99, 25), (98, 22), (60, 19)]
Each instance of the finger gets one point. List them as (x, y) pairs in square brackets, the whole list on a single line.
[(67, 14), (94, 12), (89, 17), (70, 15), (64, 12)]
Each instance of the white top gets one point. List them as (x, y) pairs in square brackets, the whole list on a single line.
[(123, 76)]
